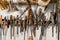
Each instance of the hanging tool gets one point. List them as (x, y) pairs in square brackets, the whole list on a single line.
[(52, 18), (31, 25), (25, 23), (18, 24), (12, 26), (43, 26), (22, 26), (39, 15), (0, 20), (4, 25)]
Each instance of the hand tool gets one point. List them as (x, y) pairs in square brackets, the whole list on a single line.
[(31, 24), (52, 18), (42, 19), (0, 20), (12, 26), (25, 23), (4, 25), (38, 16), (18, 24)]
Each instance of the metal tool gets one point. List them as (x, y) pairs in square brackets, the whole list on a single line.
[(24, 34), (29, 22), (12, 26), (28, 19), (24, 28), (39, 16), (25, 23), (31, 25), (55, 20), (4, 25), (43, 26), (24, 11), (52, 18), (29, 6), (41, 21), (18, 24), (42, 32)]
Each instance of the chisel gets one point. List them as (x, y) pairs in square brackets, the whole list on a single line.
[(31, 25), (4, 25), (12, 28)]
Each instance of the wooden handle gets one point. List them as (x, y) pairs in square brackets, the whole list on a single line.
[(30, 38), (39, 12), (0, 19), (29, 12)]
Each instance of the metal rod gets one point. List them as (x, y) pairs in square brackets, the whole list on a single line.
[(24, 34)]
